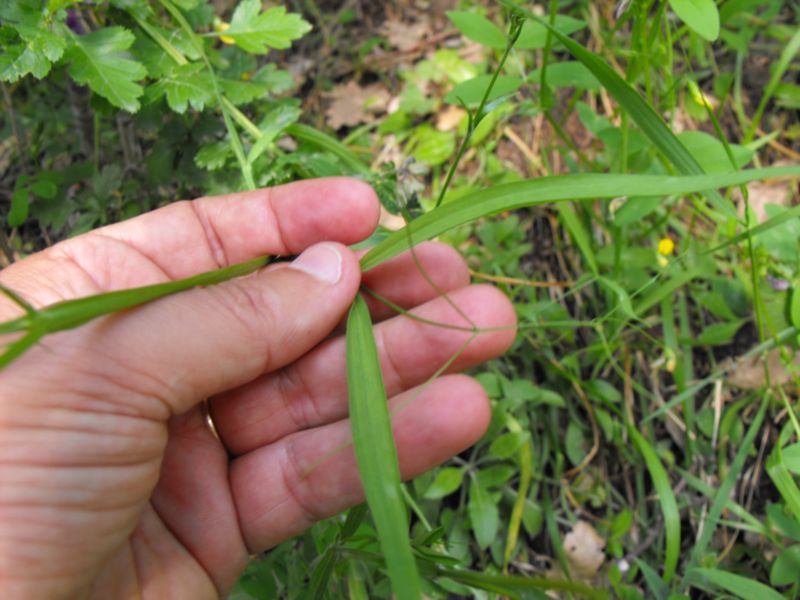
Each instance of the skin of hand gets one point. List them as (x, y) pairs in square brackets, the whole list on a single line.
[(112, 484)]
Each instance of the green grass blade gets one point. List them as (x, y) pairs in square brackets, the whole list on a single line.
[(784, 481), (740, 586), (666, 497), (783, 64), (559, 188), (74, 313), (515, 583), (724, 492), (331, 144), (376, 453), (651, 124)]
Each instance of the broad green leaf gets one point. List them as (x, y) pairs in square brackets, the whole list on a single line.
[(717, 334), (534, 36), (786, 568), (257, 33), (575, 443), (738, 585), (44, 189), (431, 146), (375, 451), (794, 305), (471, 91), (710, 152), (791, 458), (545, 190), (483, 514), (447, 481), (567, 73), (186, 85), (505, 445), (666, 497), (478, 28), (784, 481), (20, 203), (701, 16), (99, 60)]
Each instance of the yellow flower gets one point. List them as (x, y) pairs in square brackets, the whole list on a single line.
[(666, 246), (219, 27)]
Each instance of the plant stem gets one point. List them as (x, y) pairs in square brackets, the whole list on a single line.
[(516, 28)]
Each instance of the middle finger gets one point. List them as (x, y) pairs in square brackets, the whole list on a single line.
[(313, 391)]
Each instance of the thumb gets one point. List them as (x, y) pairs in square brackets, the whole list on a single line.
[(190, 346)]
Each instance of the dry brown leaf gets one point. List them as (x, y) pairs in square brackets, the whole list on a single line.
[(449, 118), (584, 549), (749, 373), (351, 104), (761, 193), (405, 36)]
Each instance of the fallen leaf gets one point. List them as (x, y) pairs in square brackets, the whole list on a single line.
[(351, 104), (449, 118), (405, 36), (761, 193), (748, 373), (584, 549)]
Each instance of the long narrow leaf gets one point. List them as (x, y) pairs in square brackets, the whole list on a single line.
[(544, 190), (376, 453), (740, 586), (666, 497)]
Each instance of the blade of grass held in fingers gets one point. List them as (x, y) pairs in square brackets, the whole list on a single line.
[(559, 188), (74, 313), (376, 453)]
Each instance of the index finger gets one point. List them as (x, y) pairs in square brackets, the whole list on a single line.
[(186, 238)]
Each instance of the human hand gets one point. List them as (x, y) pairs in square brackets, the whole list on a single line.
[(112, 485)]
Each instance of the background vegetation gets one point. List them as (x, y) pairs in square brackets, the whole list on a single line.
[(644, 440)]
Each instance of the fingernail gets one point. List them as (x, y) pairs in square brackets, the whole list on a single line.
[(322, 261)]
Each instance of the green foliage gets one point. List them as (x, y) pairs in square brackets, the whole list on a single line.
[(257, 32), (559, 180)]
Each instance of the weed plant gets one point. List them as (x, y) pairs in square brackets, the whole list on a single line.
[(614, 407)]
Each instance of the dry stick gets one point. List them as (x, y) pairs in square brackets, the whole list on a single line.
[(521, 282)]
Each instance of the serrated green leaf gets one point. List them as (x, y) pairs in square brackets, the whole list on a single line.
[(701, 16), (257, 33), (213, 156), (239, 91), (40, 44), (99, 60), (185, 85), (478, 28)]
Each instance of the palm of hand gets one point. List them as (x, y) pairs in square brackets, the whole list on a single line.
[(113, 485)]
